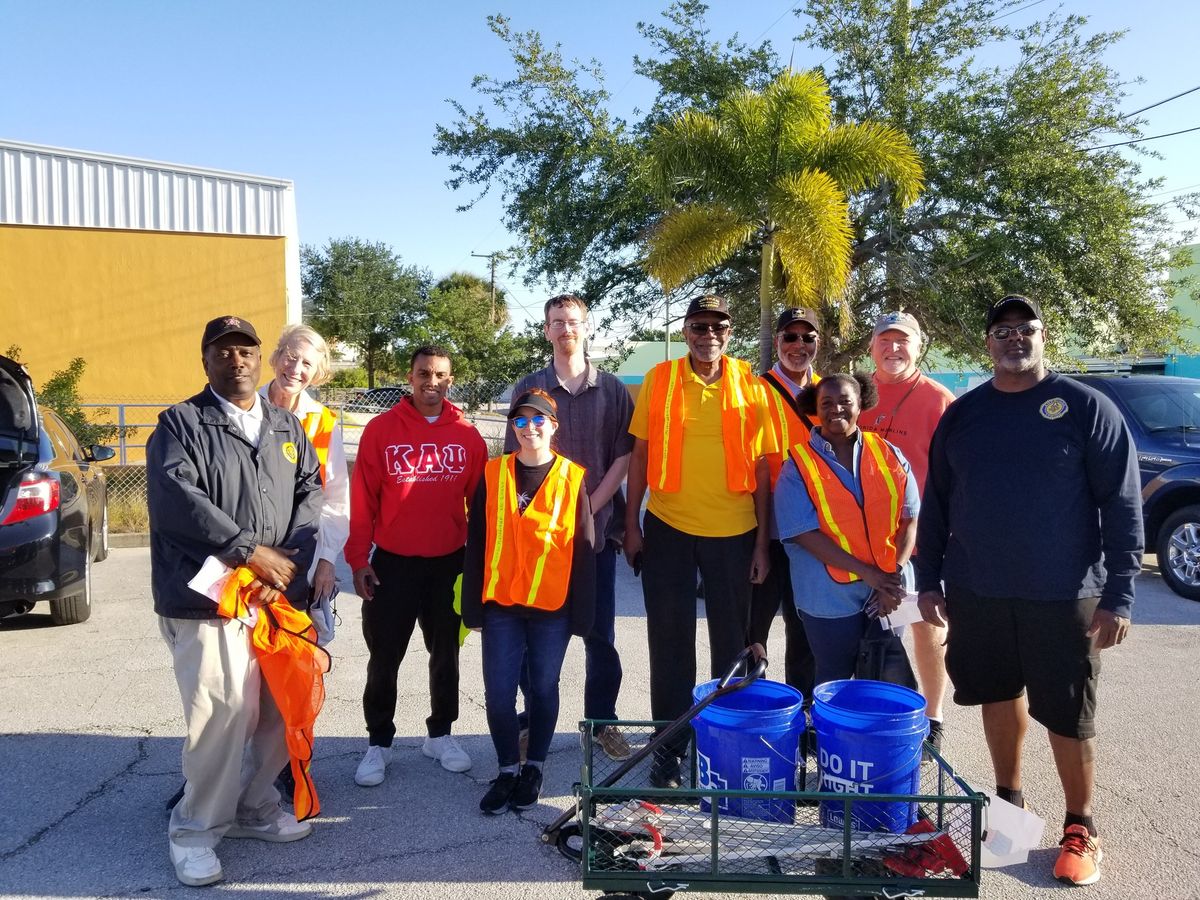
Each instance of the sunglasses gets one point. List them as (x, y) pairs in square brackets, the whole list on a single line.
[(1027, 329), (708, 327), (523, 421), (790, 337)]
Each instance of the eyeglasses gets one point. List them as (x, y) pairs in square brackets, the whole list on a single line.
[(790, 337), (560, 325), (1026, 329), (717, 328), (523, 421)]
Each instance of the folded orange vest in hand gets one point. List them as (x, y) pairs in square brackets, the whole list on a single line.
[(294, 667)]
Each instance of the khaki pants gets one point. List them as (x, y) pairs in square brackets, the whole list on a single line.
[(235, 743)]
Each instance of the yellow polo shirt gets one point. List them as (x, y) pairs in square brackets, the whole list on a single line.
[(703, 505)]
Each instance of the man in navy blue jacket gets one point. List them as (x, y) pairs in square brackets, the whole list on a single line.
[(232, 478), (1031, 525)]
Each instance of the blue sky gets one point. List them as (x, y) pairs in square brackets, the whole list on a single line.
[(343, 98)]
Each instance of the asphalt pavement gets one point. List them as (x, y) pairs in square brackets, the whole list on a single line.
[(91, 731)]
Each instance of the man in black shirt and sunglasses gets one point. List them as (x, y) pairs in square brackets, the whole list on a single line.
[(1030, 536)]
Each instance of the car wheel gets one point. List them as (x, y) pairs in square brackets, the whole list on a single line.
[(1179, 552), (101, 549), (76, 608)]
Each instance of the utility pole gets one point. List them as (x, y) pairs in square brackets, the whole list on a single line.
[(491, 257)]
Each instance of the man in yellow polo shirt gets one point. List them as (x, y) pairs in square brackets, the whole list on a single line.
[(701, 434)]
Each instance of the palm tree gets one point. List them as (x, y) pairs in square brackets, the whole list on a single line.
[(771, 171)]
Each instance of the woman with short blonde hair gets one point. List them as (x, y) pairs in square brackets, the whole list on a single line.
[(301, 360)]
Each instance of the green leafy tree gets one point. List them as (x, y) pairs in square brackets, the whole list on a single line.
[(571, 173), (60, 392), (771, 171), (1014, 198), (463, 317), (362, 295)]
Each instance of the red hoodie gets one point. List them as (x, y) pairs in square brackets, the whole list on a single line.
[(412, 483)]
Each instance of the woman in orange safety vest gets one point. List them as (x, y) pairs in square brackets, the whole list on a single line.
[(528, 585), (846, 507), (301, 360)]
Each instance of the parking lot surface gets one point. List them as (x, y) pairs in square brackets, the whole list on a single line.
[(91, 731)]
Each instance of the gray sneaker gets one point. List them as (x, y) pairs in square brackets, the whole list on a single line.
[(370, 771)]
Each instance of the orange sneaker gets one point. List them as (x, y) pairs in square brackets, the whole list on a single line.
[(1079, 859)]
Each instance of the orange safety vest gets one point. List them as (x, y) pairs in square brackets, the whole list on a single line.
[(739, 424), (866, 532), (787, 424), (294, 667), (527, 556), (319, 427)]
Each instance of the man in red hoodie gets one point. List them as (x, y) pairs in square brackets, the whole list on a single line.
[(417, 468)]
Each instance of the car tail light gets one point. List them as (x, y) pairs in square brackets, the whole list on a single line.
[(36, 496)]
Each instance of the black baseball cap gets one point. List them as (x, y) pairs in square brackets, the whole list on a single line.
[(1004, 304), (794, 314), (223, 325), (709, 303), (534, 401)]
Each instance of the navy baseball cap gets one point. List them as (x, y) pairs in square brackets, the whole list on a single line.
[(794, 314), (1011, 301), (223, 325), (708, 303)]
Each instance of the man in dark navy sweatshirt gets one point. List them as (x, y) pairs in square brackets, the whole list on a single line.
[(1031, 525)]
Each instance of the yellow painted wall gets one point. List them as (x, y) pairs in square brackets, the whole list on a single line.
[(132, 303)]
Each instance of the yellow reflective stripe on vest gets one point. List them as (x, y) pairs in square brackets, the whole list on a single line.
[(551, 529), (672, 382), (822, 500), (501, 514), (785, 437), (873, 441)]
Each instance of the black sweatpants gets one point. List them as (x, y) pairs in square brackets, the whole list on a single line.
[(773, 595), (671, 559), (412, 589)]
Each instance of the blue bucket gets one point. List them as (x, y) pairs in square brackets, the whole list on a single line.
[(747, 740), (869, 736)]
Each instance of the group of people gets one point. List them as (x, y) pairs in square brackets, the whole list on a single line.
[(785, 491)]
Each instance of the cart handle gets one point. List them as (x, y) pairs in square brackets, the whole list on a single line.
[(726, 685)]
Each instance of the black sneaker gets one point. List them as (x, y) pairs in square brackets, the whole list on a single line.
[(936, 730), (664, 773), (528, 789), (495, 801)]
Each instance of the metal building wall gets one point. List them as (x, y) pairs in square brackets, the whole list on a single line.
[(50, 186)]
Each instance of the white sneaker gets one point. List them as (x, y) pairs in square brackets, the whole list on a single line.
[(195, 866), (370, 770), (283, 829), (448, 751)]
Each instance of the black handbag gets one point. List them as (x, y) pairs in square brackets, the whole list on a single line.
[(882, 657)]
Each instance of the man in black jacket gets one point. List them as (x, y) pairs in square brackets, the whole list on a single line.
[(233, 479)]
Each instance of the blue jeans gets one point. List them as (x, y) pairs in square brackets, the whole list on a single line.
[(602, 681), (540, 639), (835, 643)]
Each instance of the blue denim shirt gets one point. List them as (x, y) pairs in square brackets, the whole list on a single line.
[(816, 593)]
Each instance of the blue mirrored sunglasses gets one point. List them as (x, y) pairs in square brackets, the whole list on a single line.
[(523, 421)]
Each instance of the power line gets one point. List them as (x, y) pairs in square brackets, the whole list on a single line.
[(1013, 12), (1153, 137), (1161, 102)]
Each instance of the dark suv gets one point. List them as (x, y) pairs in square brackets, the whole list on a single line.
[(1164, 415)]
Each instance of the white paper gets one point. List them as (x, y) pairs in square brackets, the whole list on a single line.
[(211, 579), (1011, 833), (905, 614)]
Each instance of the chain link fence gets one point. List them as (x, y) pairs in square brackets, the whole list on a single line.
[(484, 403)]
